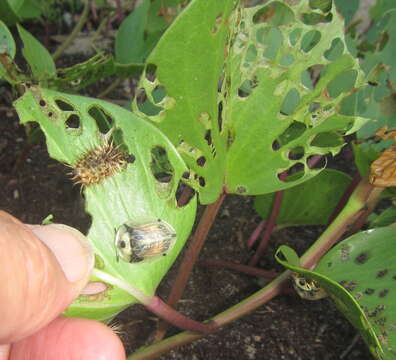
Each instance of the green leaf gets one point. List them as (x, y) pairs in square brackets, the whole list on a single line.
[(380, 8), (344, 301), (7, 15), (364, 156), (37, 56), (73, 126), (347, 8), (387, 217), (91, 71), (130, 39), (262, 57), (364, 265), (7, 46), (377, 101), (310, 203)]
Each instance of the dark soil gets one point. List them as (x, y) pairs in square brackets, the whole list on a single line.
[(32, 186)]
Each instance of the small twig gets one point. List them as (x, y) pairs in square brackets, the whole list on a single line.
[(249, 270), (77, 28), (256, 233), (350, 346), (185, 196)]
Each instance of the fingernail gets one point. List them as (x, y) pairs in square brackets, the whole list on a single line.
[(70, 247)]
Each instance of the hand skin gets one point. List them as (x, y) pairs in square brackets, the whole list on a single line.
[(43, 269)]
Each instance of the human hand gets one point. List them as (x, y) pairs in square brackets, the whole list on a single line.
[(43, 269)]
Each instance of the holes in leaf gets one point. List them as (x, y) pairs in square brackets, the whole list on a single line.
[(73, 121), (327, 139), (290, 102), (220, 116), (335, 51), (145, 105), (296, 153), (276, 14), (272, 39), (342, 83), (186, 175), (159, 93), (103, 120), (247, 86), (286, 60), (184, 194), (294, 36), (201, 161), (297, 170), (63, 105), (42, 103), (310, 40), (295, 130), (150, 72), (275, 145), (315, 18), (201, 181), (316, 161), (160, 165), (208, 137), (311, 75), (217, 24), (323, 5)]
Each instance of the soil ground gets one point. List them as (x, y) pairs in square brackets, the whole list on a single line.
[(32, 186)]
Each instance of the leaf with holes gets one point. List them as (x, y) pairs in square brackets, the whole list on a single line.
[(136, 181), (378, 100), (245, 88), (310, 203), (91, 71), (365, 265), (344, 301)]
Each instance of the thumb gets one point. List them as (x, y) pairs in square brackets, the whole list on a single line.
[(43, 269)]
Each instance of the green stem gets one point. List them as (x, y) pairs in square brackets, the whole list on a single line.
[(333, 233), (59, 51)]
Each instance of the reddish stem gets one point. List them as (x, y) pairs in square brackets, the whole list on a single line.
[(344, 199), (314, 160), (256, 233), (167, 313), (270, 224), (250, 270), (189, 259), (185, 196)]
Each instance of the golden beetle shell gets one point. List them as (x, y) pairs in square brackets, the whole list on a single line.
[(307, 289), (135, 243)]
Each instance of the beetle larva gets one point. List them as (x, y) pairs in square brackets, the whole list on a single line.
[(307, 289), (135, 243)]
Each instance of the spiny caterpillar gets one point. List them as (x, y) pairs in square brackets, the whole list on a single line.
[(98, 164)]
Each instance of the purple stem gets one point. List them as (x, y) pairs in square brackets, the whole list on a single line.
[(256, 233), (169, 314), (250, 270), (270, 224)]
